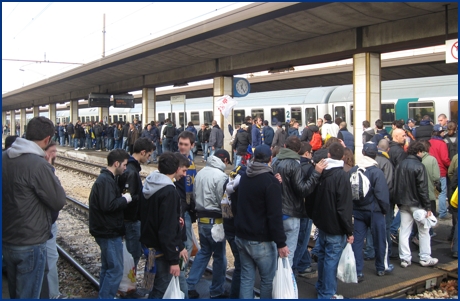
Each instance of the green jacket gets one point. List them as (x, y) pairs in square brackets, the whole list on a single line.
[(453, 165), (432, 169)]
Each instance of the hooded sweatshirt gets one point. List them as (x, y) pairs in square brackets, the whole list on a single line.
[(30, 190), (160, 213)]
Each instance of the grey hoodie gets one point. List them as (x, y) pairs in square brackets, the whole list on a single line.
[(154, 182), (23, 146), (257, 168)]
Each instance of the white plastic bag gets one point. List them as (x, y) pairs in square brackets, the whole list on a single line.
[(284, 284), (346, 271), (173, 291), (428, 222), (217, 232), (128, 282)]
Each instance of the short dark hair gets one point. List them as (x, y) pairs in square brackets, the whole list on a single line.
[(415, 148), (183, 161), (379, 124), (265, 122), (366, 124), (117, 155), (336, 150), (39, 128), (190, 123), (293, 143), (187, 135), (10, 140), (52, 143), (304, 147), (427, 145), (426, 117), (328, 117), (398, 123), (143, 144), (168, 163)]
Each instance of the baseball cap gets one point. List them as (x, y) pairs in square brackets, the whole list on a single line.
[(410, 120), (370, 149), (222, 154), (437, 128), (262, 152)]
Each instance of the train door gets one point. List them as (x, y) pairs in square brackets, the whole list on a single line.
[(296, 113), (208, 116), (238, 117), (161, 117), (279, 114), (257, 113), (453, 108), (340, 111), (311, 114), (416, 110)]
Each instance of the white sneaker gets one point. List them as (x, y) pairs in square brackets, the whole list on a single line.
[(77, 148), (428, 263), (337, 297), (98, 150), (405, 264), (83, 148)]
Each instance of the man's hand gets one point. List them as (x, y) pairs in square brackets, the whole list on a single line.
[(320, 166), (283, 252), (428, 213), (184, 254), (181, 222), (174, 270), (350, 239), (279, 178)]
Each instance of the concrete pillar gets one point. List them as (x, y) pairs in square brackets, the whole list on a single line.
[(52, 112), (103, 114), (36, 111), (366, 94), (3, 119), (22, 122), (12, 122), (223, 85), (73, 111), (149, 99)]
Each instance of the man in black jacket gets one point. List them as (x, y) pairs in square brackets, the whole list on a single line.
[(241, 142), (161, 223), (295, 189), (331, 207), (143, 148), (203, 138), (106, 204), (411, 185), (125, 132)]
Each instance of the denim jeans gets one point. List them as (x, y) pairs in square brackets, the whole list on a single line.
[(167, 144), (302, 259), (159, 148), (89, 143), (204, 148), (117, 144), (163, 278), (291, 229), (236, 279), (219, 265), (238, 160), (388, 221), (111, 266), (188, 230), (376, 222), (26, 267), (61, 141), (110, 143), (71, 140), (132, 236), (52, 256), (124, 144), (407, 221), (369, 251), (261, 255), (330, 250), (442, 198), (396, 223), (98, 143), (76, 142), (213, 151)]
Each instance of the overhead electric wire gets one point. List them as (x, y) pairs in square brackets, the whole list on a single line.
[(11, 12), (33, 19)]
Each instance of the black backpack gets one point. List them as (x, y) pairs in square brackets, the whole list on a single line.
[(451, 147)]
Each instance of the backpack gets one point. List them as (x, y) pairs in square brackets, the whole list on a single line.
[(316, 141), (360, 186), (451, 147)]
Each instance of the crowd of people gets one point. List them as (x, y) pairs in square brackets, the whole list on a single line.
[(265, 208)]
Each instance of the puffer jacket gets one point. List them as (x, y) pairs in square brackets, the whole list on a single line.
[(241, 142), (294, 188), (432, 169), (30, 190), (424, 131), (209, 188), (106, 207), (411, 182)]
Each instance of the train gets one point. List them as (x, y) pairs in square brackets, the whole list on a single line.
[(400, 99)]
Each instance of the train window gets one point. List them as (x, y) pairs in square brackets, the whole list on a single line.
[(297, 114), (238, 117), (115, 118), (195, 118), (339, 111), (257, 113), (387, 113), (351, 115), (310, 113), (418, 109), (278, 116), (92, 118), (136, 117), (173, 119), (181, 119), (454, 110), (161, 117), (207, 117)]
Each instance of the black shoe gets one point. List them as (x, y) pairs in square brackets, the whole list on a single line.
[(193, 294), (360, 278), (314, 257), (394, 239), (225, 295)]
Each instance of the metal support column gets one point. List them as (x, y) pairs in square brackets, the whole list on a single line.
[(73, 111), (22, 122), (3, 119), (36, 111), (12, 122), (52, 112), (149, 100), (103, 114), (223, 85)]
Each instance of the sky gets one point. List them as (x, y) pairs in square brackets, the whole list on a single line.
[(72, 32)]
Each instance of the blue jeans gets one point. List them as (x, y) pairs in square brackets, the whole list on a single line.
[(188, 230), (111, 266), (117, 144), (124, 144), (204, 148), (330, 250), (442, 198), (89, 143), (261, 255), (52, 256), (219, 265), (132, 236), (369, 251), (302, 259), (238, 160), (71, 140), (212, 151), (291, 229), (236, 279), (61, 141), (98, 143), (159, 148), (26, 268), (396, 223), (110, 143), (167, 144), (76, 142), (163, 278), (388, 221)]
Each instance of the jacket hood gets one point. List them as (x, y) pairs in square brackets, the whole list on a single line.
[(23, 146), (425, 122), (215, 162), (154, 182), (331, 163), (367, 162), (314, 128), (257, 168), (286, 153)]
